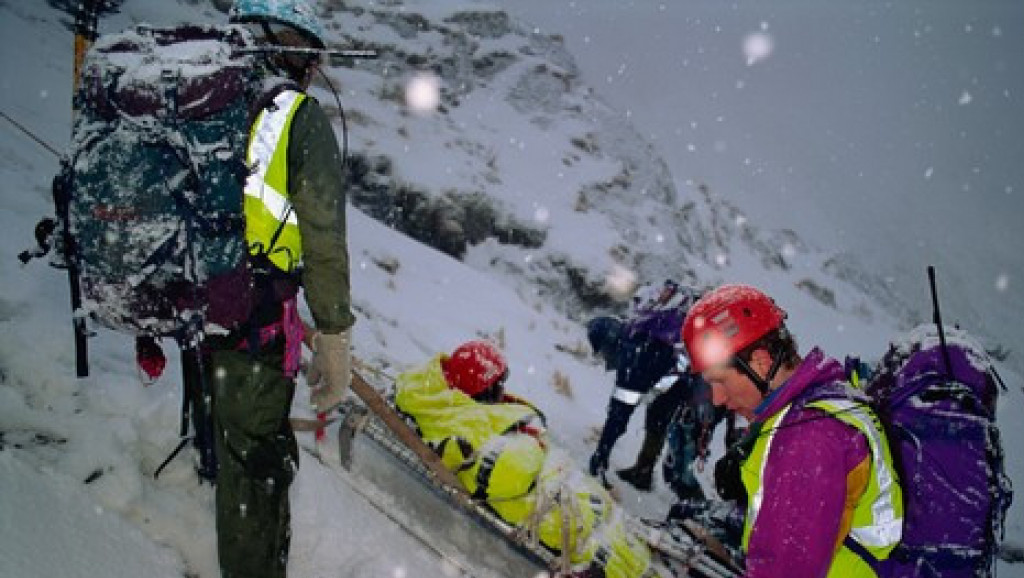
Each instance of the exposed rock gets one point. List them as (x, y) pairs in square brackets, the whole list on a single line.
[(649, 228)]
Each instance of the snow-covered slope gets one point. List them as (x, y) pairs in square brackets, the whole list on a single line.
[(889, 131), (546, 204), (524, 156)]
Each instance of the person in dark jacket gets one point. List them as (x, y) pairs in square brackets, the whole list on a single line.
[(639, 361), (295, 220), (643, 353)]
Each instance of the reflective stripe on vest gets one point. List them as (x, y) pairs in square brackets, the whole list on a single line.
[(878, 518), (627, 396), (878, 521), (266, 190), (505, 468), (752, 472)]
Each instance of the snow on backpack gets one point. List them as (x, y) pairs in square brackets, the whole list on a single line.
[(935, 392), (659, 310), (150, 198), (153, 188)]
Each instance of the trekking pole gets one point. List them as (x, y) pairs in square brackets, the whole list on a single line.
[(86, 24), (183, 435), (937, 319)]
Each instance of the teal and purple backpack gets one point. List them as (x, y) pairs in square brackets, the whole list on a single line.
[(152, 188)]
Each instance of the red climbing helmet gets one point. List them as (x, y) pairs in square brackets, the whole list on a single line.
[(474, 367), (725, 321)]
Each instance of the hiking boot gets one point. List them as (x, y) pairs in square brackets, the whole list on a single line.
[(638, 477)]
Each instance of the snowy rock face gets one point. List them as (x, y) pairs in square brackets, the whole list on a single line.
[(516, 158)]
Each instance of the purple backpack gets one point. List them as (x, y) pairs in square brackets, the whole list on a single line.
[(938, 408)]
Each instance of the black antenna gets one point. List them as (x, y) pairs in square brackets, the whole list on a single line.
[(937, 319)]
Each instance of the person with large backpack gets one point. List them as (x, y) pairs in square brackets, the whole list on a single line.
[(935, 391), (200, 182), (819, 487), (642, 350), (295, 221)]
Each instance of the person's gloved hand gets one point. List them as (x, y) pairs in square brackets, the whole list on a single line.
[(330, 372), (150, 358)]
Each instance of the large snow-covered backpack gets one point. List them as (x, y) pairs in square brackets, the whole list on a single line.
[(153, 186), (149, 200), (935, 392)]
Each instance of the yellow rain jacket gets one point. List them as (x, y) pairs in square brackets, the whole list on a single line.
[(525, 482)]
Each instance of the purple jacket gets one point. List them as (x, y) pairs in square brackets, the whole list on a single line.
[(662, 324), (805, 477)]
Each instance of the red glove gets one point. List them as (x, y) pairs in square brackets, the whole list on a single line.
[(150, 358)]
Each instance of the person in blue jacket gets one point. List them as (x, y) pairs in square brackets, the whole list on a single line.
[(642, 351)]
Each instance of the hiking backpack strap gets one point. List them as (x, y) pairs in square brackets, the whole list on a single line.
[(862, 552)]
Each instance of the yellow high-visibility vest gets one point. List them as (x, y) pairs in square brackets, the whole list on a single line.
[(878, 517), (268, 209)]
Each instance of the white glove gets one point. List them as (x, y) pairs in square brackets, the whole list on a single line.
[(330, 372)]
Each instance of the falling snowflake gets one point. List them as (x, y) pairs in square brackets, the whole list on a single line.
[(929, 172), (620, 281), (541, 215), (965, 98), (1002, 282), (757, 46), (423, 93)]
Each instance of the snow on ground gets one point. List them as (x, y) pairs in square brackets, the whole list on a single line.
[(77, 456)]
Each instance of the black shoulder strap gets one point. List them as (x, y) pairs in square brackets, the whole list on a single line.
[(862, 552), (271, 88)]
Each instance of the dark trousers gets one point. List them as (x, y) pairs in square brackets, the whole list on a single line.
[(656, 421), (614, 426), (258, 456)]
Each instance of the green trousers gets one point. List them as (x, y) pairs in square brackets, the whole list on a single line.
[(258, 457)]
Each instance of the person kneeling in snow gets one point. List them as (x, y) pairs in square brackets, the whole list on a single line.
[(497, 445)]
